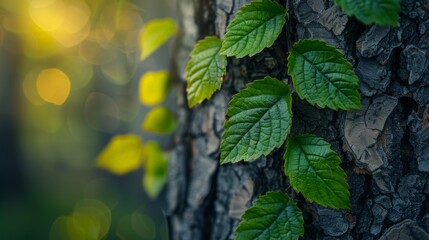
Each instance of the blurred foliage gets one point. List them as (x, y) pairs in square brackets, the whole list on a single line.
[(156, 33), (71, 71), (156, 168), (160, 121), (154, 87), (122, 154)]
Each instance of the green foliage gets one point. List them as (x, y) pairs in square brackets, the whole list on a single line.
[(124, 153), (121, 155), (322, 76), (205, 70), (155, 34), (383, 12), (156, 167), (255, 27), (259, 119), (314, 170), (160, 120), (273, 216), (154, 87)]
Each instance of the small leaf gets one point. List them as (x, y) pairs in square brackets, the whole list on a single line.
[(273, 216), (322, 76), (156, 33), (383, 12), (153, 87), (314, 170), (255, 27), (121, 155), (205, 70), (260, 118), (159, 120), (156, 168)]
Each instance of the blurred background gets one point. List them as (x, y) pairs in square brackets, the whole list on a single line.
[(69, 82)]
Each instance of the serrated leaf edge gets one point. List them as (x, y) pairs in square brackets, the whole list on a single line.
[(191, 62), (304, 41), (266, 152), (344, 174), (235, 20), (257, 201), (372, 20)]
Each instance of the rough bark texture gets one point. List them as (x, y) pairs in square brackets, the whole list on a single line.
[(384, 146)]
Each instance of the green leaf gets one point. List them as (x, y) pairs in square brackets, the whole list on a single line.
[(205, 70), (314, 170), (156, 33), (156, 169), (255, 27), (273, 216), (159, 120), (322, 76), (121, 155), (260, 117), (383, 12), (154, 87)]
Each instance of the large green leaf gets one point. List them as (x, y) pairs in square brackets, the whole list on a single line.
[(384, 12), (273, 216), (314, 170), (260, 118), (322, 76), (255, 27), (205, 70)]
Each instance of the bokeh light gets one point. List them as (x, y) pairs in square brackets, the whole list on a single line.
[(48, 17), (29, 88), (1, 34), (70, 81), (53, 86)]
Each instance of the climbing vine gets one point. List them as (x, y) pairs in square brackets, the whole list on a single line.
[(259, 117)]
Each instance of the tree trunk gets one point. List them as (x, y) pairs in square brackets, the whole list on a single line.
[(384, 147)]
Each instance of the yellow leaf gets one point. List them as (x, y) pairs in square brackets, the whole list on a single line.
[(156, 33), (153, 87), (53, 86), (159, 120), (156, 169), (121, 155)]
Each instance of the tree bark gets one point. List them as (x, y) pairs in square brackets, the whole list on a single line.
[(384, 147)]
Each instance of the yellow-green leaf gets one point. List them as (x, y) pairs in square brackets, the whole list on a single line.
[(156, 168), (159, 120), (156, 33), (153, 87), (121, 155)]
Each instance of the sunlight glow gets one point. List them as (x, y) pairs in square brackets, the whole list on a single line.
[(53, 86)]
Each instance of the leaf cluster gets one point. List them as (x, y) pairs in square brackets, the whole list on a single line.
[(259, 117), (126, 153)]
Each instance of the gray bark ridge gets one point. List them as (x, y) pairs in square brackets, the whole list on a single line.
[(384, 146)]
